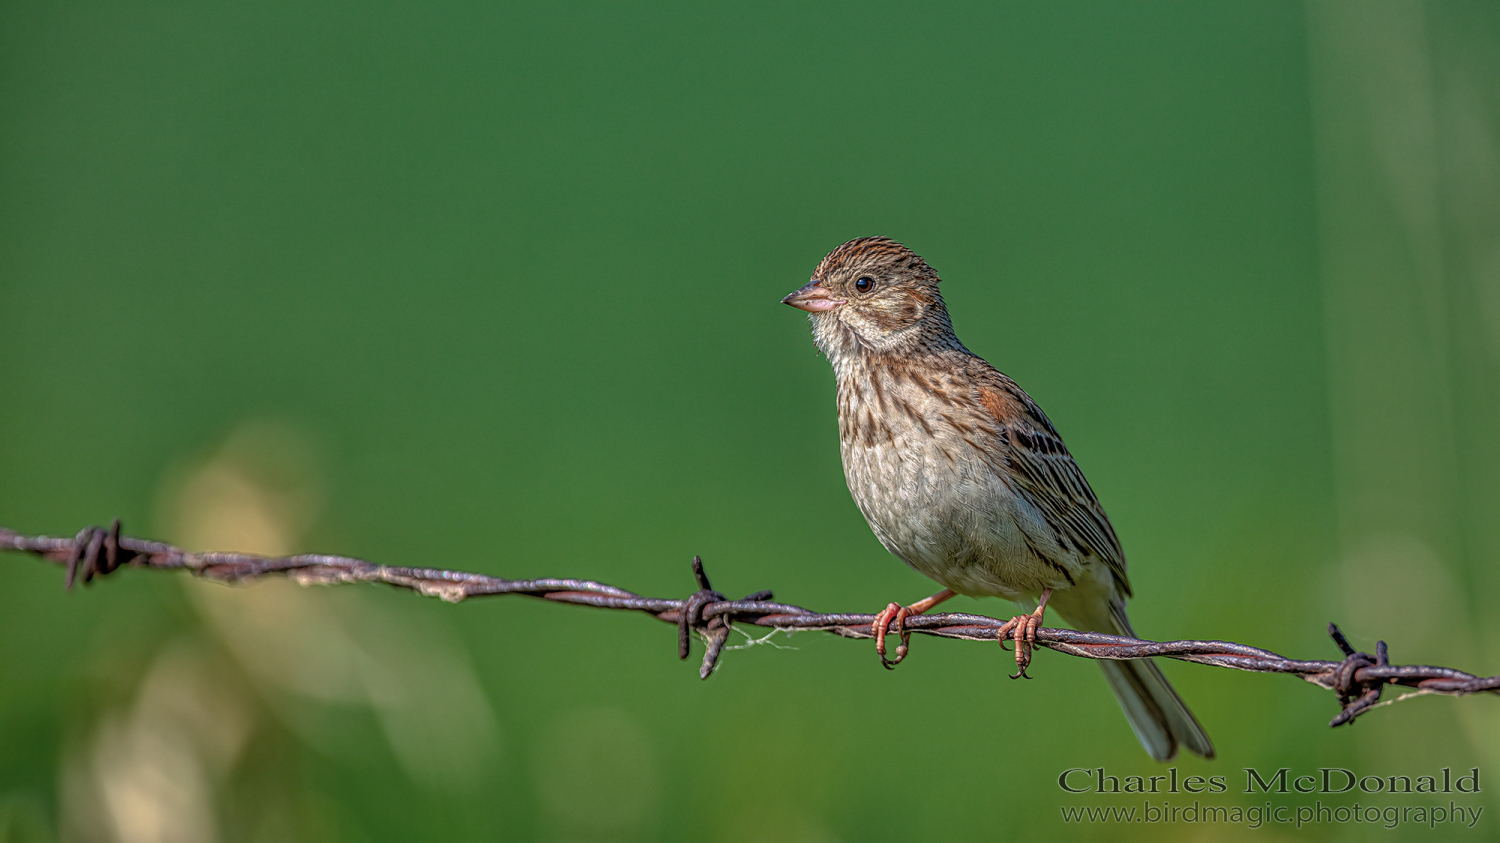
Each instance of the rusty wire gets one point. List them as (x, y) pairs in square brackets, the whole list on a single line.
[(1357, 679)]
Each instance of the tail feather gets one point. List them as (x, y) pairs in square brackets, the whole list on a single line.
[(1157, 715)]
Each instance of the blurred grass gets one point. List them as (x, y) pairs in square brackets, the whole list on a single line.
[(510, 276)]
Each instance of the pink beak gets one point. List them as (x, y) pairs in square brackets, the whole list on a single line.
[(813, 298)]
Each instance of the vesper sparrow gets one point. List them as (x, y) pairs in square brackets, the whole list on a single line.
[(962, 476)]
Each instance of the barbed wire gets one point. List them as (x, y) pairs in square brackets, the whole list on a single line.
[(1357, 679)]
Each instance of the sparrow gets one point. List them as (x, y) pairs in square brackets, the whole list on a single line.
[(962, 476)]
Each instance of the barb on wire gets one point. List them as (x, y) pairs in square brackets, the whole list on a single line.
[(1357, 679)]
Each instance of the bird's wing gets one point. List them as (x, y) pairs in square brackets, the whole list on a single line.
[(1046, 475)]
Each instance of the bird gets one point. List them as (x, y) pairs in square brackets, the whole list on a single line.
[(963, 477)]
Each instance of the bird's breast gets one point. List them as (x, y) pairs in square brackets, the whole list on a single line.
[(927, 472)]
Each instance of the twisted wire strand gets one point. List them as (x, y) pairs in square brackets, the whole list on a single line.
[(1357, 679)]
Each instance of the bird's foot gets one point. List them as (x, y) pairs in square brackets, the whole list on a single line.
[(898, 614), (1022, 629)]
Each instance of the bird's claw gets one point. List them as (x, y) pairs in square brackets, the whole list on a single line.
[(1022, 629), (899, 614)]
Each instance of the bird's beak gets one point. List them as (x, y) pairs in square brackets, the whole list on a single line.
[(814, 298)]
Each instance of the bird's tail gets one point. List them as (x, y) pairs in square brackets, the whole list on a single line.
[(1157, 715)]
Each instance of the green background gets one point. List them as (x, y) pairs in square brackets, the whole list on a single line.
[(495, 289)]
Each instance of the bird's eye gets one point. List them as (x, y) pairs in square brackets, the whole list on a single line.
[(864, 284)]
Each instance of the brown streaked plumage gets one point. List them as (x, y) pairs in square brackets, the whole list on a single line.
[(961, 475)]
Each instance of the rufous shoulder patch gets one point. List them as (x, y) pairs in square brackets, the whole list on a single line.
[(998, 404)]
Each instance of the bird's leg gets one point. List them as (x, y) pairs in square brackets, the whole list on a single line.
[(899, 614), (1023, 629)]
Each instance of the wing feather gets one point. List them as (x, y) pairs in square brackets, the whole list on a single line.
[(1046, 475)]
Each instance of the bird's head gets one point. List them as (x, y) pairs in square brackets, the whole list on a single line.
[(877, 295)]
